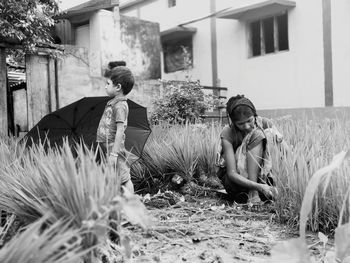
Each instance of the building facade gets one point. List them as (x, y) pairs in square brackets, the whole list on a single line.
[(280, 53)]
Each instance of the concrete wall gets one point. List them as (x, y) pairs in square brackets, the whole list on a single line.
[(184, 11), (341, 52), (74, 78), (75, 81), (104, 40), (289, 79), (146, 92), (107, 37), (82, 36), (140, 47)]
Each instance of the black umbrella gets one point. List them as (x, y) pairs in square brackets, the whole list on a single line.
[(79, 121)]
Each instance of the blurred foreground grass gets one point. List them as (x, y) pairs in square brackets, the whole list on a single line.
[(64, 204)]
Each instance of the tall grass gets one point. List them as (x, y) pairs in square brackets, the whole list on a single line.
[(314, 143), (296, 249), (190, 149), (55, 181), (52, 183), (186, 150), (55, 244)]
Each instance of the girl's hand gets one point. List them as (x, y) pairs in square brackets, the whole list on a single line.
[(269, 191)]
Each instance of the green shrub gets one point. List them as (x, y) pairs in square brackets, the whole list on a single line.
[(182, 102)]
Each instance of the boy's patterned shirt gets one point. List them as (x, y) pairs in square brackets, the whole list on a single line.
[(116, 110)]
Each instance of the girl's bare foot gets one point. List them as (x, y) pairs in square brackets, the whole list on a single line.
[(253, 197)]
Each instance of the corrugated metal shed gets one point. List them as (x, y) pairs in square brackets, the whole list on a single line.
[(16, 75)]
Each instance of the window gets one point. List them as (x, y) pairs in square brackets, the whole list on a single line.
[(171, 3), (177, 54), (269, 35)]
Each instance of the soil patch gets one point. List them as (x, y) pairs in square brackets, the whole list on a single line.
[(206, 230)]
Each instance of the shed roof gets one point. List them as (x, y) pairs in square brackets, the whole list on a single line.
[(257, 10), (177, 32), (15, 75), (87, 7)]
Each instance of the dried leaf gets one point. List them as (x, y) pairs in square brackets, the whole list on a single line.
[(213, 208), (291, 251), (147, 198), (342, 242), (323, 238)]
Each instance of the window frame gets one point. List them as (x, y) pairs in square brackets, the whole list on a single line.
[(276, 26), (177, 43)]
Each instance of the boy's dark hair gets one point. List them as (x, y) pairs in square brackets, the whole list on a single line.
[(118, 63), (240, 107), (121, 75)]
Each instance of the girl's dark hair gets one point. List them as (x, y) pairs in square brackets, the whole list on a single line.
[(240, 107), (120, 75)]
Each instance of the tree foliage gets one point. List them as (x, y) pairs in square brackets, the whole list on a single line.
[(27, 22)]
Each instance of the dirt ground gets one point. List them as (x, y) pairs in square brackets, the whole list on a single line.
[(202, 230), (211, 230), (206, 230)]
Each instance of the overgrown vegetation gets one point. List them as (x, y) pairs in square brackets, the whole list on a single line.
[(314, 143), (51, 191), (189, 151), (184, 150), (296, 250)]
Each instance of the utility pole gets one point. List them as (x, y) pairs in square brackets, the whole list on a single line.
[(3, 93)]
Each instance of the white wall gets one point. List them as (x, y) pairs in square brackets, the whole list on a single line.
[(104, 41), (341, 52), (82, 36), (287, 79)]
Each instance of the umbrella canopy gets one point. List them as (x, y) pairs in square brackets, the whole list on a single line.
[(79, 121)]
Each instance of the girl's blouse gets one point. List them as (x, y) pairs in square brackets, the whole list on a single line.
[(235, 137)]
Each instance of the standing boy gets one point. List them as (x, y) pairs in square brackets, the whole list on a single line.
[(111, 129)]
